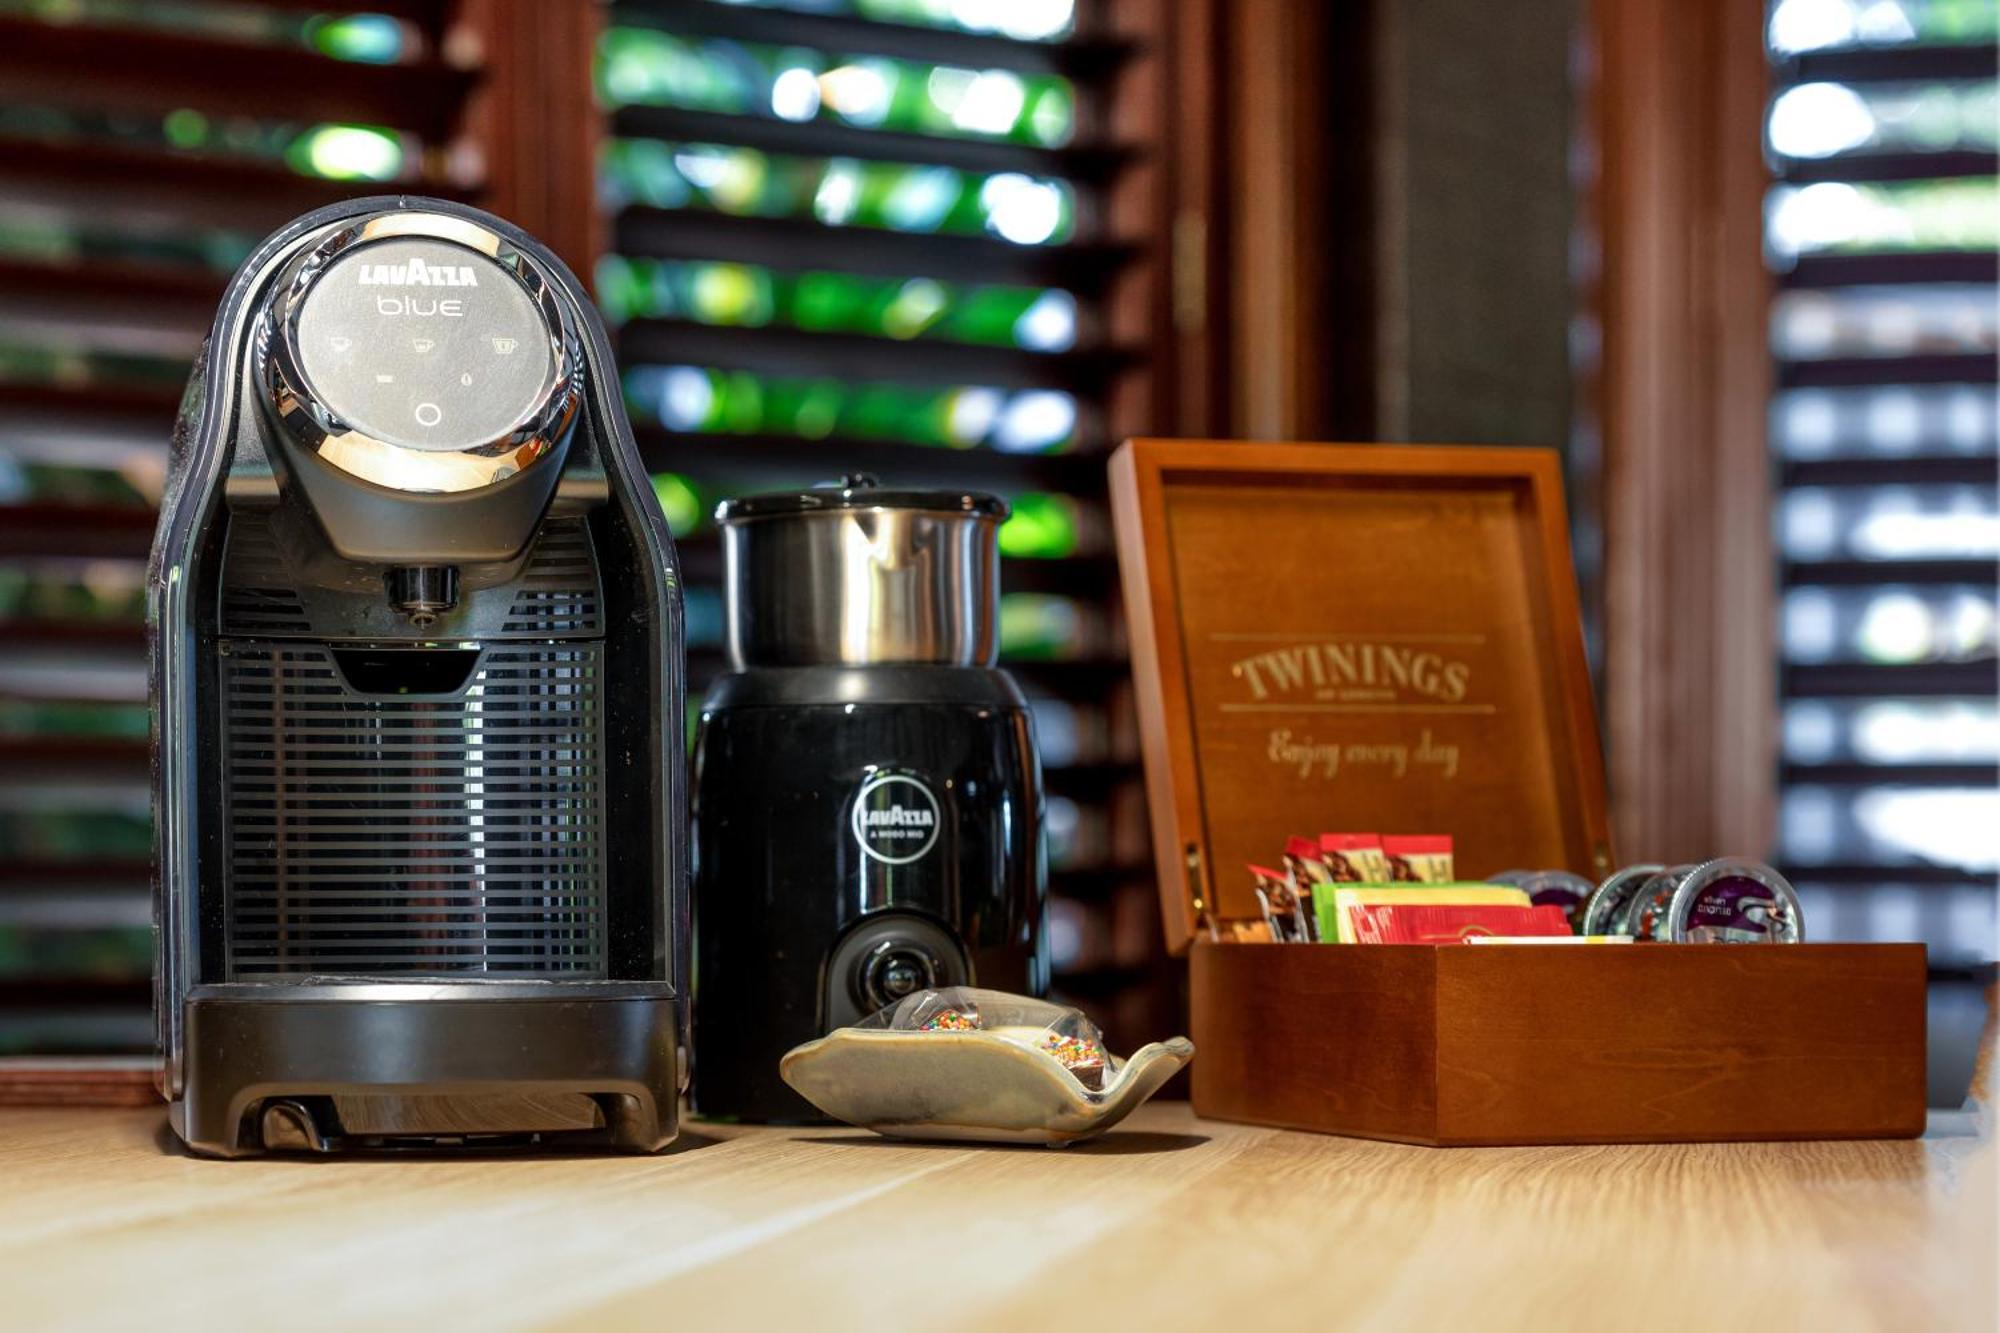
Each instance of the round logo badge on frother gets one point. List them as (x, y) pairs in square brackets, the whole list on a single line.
[(895, 818)]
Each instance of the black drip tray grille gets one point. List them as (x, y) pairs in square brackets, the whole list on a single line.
[(402, 834)]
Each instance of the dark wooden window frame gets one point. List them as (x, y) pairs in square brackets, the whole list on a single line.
[(1676, 109)]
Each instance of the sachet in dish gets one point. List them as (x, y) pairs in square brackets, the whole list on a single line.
[(962, 1063)]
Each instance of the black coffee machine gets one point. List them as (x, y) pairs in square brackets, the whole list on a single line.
[(867, 799), (417, 673)]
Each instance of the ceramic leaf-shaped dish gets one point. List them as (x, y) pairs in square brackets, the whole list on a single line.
[(1016, 1071)]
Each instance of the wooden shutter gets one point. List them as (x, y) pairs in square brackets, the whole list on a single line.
[(144, 149), (929, 242), (1881, 231)]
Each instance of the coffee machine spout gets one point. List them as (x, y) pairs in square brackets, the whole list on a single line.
[(422, 592)]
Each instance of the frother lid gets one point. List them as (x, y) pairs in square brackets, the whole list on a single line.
[(859, 490)]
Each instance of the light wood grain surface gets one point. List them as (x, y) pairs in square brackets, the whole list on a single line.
[(1170, 1223)]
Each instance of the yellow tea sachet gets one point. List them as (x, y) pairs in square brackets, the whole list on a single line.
[(1333, 903)]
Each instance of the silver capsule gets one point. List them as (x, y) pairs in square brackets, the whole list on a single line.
[(1732, 900), (1646, 914), (1604, 913)]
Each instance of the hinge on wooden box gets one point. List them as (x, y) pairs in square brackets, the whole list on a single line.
[(1196, 894)]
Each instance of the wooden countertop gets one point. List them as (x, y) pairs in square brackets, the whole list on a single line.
[(1171, 1222)]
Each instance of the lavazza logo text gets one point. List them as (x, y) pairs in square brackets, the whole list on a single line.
[(895, 818), (898, 817), (416, 273)]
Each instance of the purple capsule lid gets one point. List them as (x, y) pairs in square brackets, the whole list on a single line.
[(1735, 901)]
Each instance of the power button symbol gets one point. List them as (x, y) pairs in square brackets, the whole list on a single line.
[(428, 414)]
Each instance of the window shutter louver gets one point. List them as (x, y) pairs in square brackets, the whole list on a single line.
[(1881, 228), (885, 236), (144, 149), (946, 271)]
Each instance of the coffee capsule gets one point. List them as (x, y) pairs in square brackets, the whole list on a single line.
[(1734, 901), (1553, 888), (1645, 915), (1604, 913)]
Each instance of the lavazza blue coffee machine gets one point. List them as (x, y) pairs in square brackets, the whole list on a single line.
[(417, 665)]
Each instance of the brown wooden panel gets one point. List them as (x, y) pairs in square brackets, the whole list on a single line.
[(89, 530), (531, 127), (1676, 110), (1321, 1037), (1463, 1045), (96, 759), (1379, 638), (144, 407), (1278, 165), (92, 1081), (1679, 1043), (187, 294), (107, 184), (423, 13), (79, 635), (145, 69), (17, 873)]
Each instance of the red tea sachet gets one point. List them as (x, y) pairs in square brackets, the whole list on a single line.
[(1354, 858), (1423, 858), (1417, 924)]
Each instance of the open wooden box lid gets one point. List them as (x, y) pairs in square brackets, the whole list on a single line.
[(1342, 638)]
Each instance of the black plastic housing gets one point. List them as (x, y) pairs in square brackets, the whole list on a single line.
[(473, 944), (789, 908)]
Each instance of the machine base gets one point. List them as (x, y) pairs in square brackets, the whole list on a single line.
[(270, 1066)]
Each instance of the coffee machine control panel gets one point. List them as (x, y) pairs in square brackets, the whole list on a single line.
[(425, 344), (419, 353)]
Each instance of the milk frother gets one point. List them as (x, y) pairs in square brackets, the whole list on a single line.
[(868, 810)]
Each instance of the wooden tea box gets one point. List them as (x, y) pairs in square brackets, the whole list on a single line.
[(1377, 638)]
